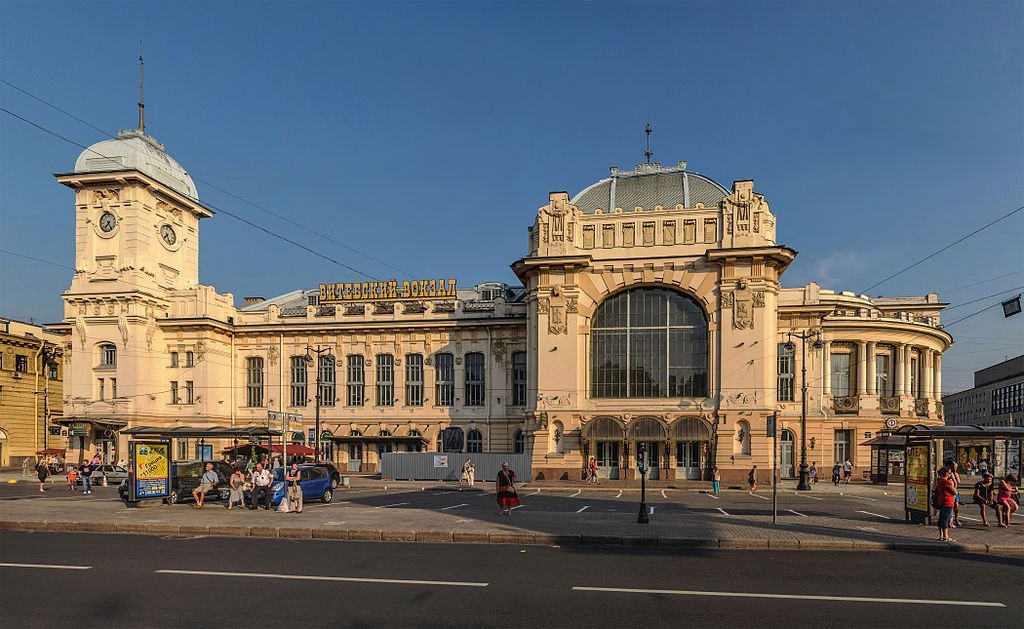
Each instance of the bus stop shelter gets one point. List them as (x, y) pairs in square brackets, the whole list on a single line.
[(928, 447), (250, 434)]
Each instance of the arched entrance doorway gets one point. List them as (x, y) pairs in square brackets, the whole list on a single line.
[(652, 433), (603, 438), (691, 437), (786, 462)]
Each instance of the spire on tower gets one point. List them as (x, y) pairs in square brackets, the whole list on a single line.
[(142, 104), (648, 154)]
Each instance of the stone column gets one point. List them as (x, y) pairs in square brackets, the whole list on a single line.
[(872, 376), (861, 367), (938, 375), (927, 393), (826, 370), (897, 370), (907, 352)]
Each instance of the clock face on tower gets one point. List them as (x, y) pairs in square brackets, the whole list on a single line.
[(108, 222), (168, 235)]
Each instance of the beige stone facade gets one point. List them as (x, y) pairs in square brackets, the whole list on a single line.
[(651, 311), (31, 387)]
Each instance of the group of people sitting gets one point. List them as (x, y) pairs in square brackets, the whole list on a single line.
[(255, 477), (1003, 497)]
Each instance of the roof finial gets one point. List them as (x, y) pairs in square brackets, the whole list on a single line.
[(142, 104), (648, 152)]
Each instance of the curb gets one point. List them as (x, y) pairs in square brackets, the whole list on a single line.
[(520, 538)]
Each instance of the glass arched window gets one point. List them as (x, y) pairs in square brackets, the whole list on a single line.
[(474, 441), (649, 343), (108, 355)]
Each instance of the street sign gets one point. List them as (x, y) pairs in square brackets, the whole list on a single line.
[(771, 424), (312, 435)]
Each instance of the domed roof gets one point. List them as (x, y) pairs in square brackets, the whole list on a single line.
[(649, 185), (134, 150)]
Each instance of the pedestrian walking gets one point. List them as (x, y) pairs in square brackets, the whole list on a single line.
[(716, 480), (983, 466), (505, 488), (237, 485), (86, 473), (592, 472), (813, 471), (836, 469), (72, 479), (261, 480), (206, 483), (468, 473), (96, 459), (42, 472), (847, 470), (983, 497), (752, 479), (294, 488), (954, 478), (1005, 504), (944, 493)]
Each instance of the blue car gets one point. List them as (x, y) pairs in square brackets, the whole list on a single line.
[(314, 481)]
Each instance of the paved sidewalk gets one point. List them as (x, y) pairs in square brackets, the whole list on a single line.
[(372, 516)]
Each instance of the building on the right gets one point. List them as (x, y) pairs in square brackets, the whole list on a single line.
[(997, 398)]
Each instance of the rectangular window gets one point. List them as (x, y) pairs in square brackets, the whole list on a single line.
[(254, 382), (648, 234), (21, 363), (883, 379), (298, 388), (102, 389), (786, 369), (190, 392), (328, 384), (668, 232), (414, 379), (190, 359), (385, 380), (108, 356), (628, 234), (608, 236), (53, 372), (475, 386), (356, 378), (113, 388), (710, 230), (1, 395), (842, 445), (174, 359), (519, 378), (842, 374), (689, 232), (174, 392), (444, 375), (588, 236), (912, 378)]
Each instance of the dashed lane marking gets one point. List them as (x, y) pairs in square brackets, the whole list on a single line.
[(663, 494), (802, 597), (397, 504), (796, 513), (578, 491), (583, 509), (310, 577), (454, 506), (724, 512), (536, 492), (46, 566), (758, 496), (877, 515), (619, 495), (517, 507), (711, 495)]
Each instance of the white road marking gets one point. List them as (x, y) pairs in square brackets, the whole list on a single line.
[(806, 496), (517, 507), (651, 512), (663, 494), (43, 565), (803, 597), (454, 506), (868, 529), (864, 498), (576, 494), (877, 515), (724, 512), (619, 495), (583, 509), (711, 495), (397, 504), (797, 513), (536, 492), (758, 496), (309, 577)]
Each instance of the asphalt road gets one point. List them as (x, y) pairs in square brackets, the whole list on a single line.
[(59, 580)]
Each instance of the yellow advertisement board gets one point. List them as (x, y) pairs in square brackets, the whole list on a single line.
[(918, 478), (151, 469)]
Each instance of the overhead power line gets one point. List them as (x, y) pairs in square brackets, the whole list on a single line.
[(974, 301), (262, 208)]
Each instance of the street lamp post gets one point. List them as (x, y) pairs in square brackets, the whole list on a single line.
[(803, 484), (641, 466), (329, 359)]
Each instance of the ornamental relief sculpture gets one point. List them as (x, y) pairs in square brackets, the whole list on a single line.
[(556, 320), (743, 308)]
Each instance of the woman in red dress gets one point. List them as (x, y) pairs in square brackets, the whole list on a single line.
[(505, 489)]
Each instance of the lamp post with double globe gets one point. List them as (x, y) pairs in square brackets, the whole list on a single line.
[(327, 359), (803, 484)]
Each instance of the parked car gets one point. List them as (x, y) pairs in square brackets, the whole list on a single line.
[(186, 476), (315, 482), (114, 474), (332, 470)]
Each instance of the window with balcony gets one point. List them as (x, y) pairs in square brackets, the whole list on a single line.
[(841, 375), (883, 377)]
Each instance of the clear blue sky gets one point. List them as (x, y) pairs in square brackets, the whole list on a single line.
[(427, 134)]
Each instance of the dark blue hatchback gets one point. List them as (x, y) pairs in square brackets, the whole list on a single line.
[(314, 481)]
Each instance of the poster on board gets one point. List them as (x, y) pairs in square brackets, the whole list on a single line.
[(918, 479), (150, 475), (440, 460)]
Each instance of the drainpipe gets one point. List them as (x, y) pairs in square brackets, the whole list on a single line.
[(35, 396), (491, 380), (231, 396)]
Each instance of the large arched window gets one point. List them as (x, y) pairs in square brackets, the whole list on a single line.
[(474, 441), (649, 343)]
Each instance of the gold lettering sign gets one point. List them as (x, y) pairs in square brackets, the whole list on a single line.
[(391, 290)]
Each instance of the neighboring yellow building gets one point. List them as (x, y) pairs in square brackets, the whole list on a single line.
[(31, 388), (651, 312)]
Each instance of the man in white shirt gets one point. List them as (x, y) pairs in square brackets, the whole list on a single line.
[(206, 483), (847, 470), (261, 481)]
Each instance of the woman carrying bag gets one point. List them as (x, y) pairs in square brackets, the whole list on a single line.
[(505, 489)]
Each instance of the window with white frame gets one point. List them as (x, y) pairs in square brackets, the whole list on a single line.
[(190, 393), (474, 441), (108, 355), (254, 382), (883, 375), (444, 375), (174, 359), (414, 379), (385, 380), (475, 385), (786, 368), (190, 359), (518, 378), (841, 374), (328, 380), (174, 391), (356, 378), (298, 388), (842, 445), (113, 388)]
